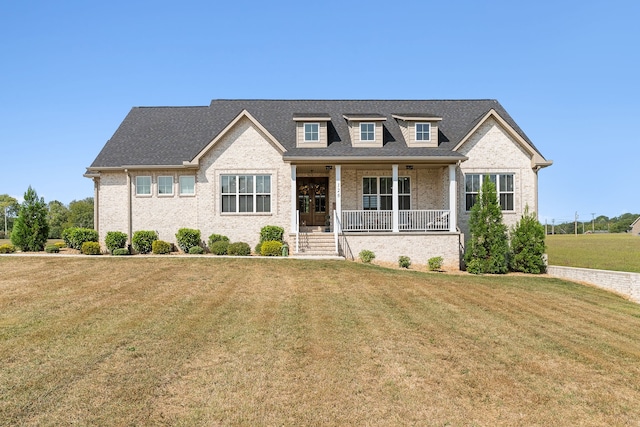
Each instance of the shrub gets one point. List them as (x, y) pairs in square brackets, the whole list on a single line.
[(217, 238), (115, 240), (160, 247), (120, 251), (488, 248), (31, 228), (187, 238), (196, 250), (258, 248), (60, 245), (219, 248), (271, 233), (7, 248), (75, 237), (366, 256), (51, 249), (271, 248), (142, 241), (435, 263), (404, 261), (239, 249), (527, 245), (91, 248)]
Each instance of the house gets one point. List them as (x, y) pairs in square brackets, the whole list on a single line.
[(394, 177), (635, 227)]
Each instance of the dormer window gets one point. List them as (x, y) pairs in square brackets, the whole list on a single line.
[(367, 132), (419, 130), (311, 132), (423, 132)]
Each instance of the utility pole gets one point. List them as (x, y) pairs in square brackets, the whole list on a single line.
[(553, 226), (593, 220), (5, 221), (575, 224)]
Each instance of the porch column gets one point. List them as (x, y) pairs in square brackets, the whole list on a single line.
[(453, 200), (294, 201), (339, 197), (394, 198)]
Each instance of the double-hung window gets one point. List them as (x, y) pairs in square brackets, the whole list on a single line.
[(423, 132), (367, 131), (143, 185), (246, 193), (377, 193), (504, 189), (187, 184), (165, 185), (311, 132)]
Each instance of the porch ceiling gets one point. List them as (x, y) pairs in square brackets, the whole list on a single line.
[(322, 167)]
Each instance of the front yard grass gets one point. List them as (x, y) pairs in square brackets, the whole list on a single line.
[(620, 251), (210, 341)]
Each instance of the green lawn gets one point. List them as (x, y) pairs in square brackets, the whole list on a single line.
[(620, 252), (213, 341)]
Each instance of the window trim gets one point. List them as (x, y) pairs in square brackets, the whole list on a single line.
[(373, 132), (172, 186), (180, 192), (499, 190), (254, 194), (138, 186), (317, 132), (428, 132)]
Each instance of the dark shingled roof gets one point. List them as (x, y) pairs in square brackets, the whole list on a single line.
[(166, 136)]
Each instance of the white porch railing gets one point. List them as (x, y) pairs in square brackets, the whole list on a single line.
[(413, 220), (297, 231)]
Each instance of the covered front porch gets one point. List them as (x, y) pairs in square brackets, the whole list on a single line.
[(374, 199)]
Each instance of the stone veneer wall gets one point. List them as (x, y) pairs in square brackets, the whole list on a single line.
[(624, 283), (419, 247)]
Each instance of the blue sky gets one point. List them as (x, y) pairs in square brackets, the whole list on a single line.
[(567, 71)]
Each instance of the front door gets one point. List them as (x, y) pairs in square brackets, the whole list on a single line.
[(312, 200)]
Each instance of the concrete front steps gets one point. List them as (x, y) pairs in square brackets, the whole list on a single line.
[(316, 244)]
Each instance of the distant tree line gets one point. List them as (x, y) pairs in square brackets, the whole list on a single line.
[(79, 213), (599, 224)]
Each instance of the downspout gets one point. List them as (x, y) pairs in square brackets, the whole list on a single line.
[(96, 204), (535, 186), (129, 208)]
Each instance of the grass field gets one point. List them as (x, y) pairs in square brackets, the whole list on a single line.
[(620, 252), (210, 341)]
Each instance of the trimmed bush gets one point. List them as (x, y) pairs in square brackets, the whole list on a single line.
[(258, 248), (219, 247), (7, 248), (239, 249), (217, 238), (196, 250), (75, 237), (91, 248), (270, 233), (187, 238), (60, 245), (115, 240), (435, 263), (160, 247), (142, 241), (120, 251), (404, 261), (51, 249), (271, 248), (366, 256)]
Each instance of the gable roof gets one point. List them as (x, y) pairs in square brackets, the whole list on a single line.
[(174, 136)]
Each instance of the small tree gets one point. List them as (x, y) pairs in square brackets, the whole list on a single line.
[(488, 247), (527, 245), (31, 229)]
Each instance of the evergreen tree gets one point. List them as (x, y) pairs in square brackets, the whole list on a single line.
[(488, 247), (527, 245), (31, 228)]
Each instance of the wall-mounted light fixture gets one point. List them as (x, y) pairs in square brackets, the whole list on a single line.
[(409, 167), (328, 167)]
